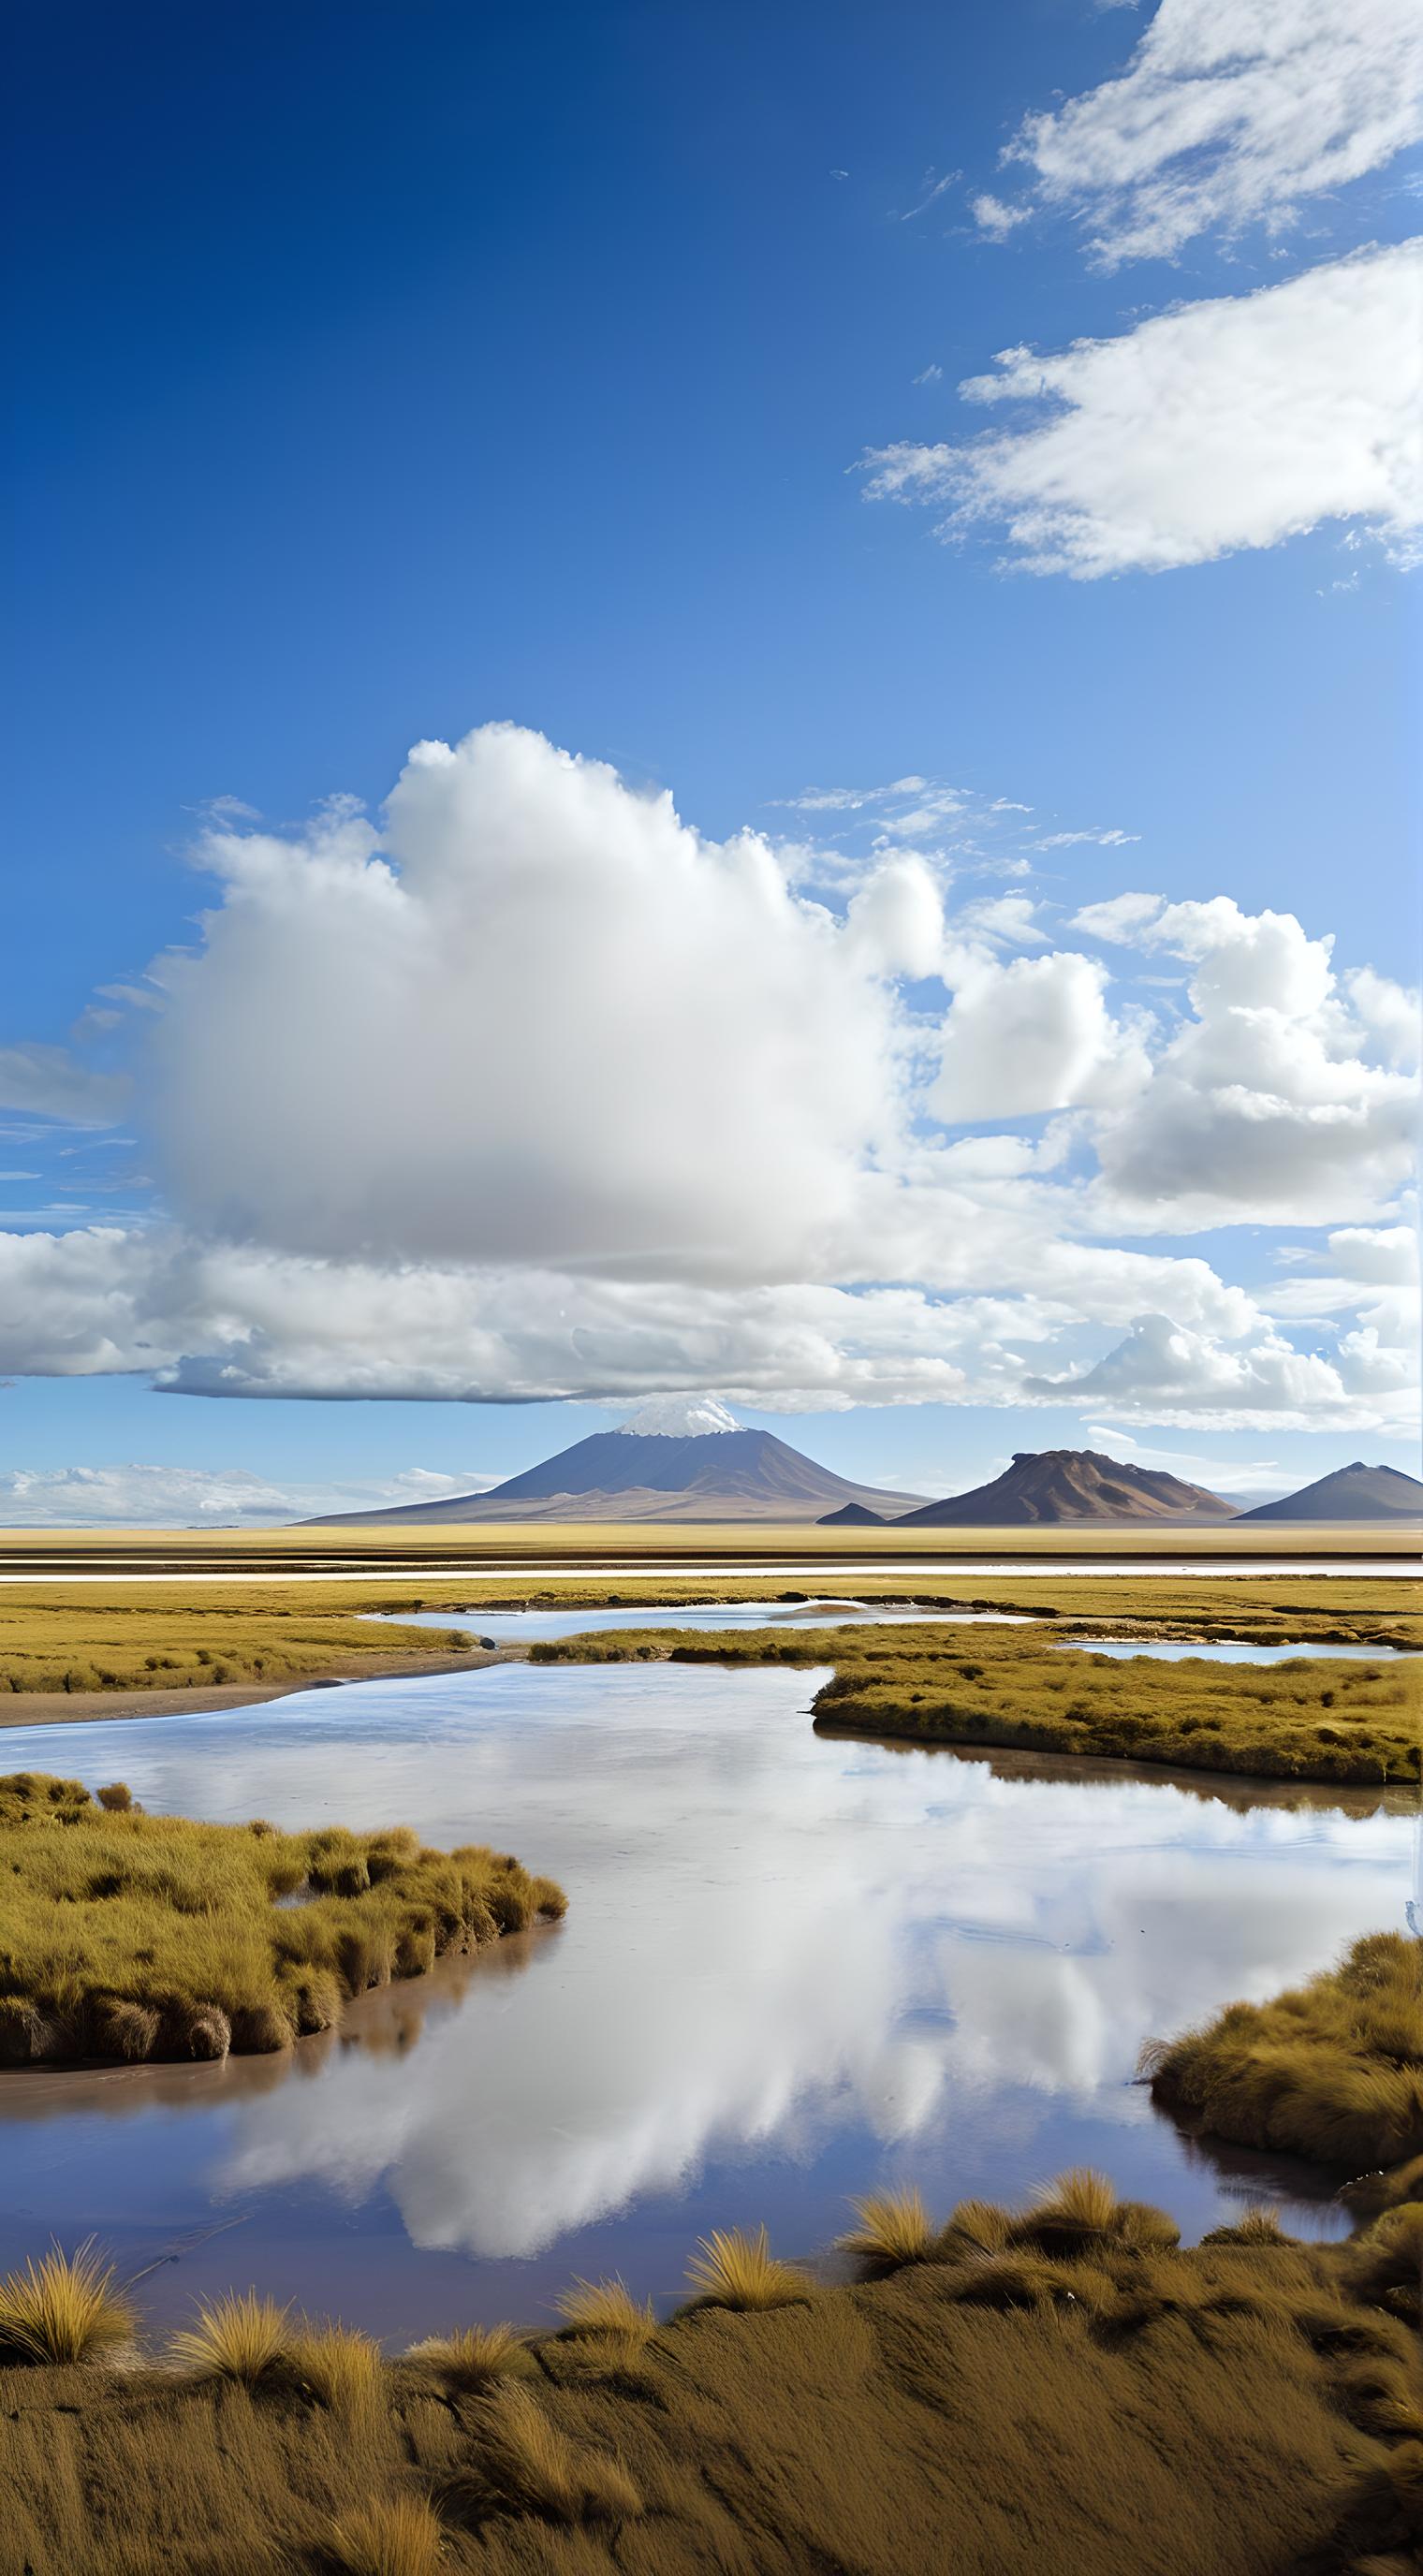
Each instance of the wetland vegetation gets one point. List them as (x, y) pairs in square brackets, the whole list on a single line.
[(1331, 2070), (1325, 1721), (84, 1639), (132, 1937)]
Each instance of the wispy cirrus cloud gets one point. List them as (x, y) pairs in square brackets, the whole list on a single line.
[(1210, 428), (1229, 114)]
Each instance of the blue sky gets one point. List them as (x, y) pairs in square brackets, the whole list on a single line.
[(390, 372)]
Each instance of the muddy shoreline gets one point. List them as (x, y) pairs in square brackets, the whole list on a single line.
[(69, 1708)]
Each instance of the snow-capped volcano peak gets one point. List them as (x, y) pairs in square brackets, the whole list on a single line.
[(681, 1417)]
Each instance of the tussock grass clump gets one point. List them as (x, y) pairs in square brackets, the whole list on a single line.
[(336, 2365), (1257, 2227), (977, 2227), (1332, 2070), (606, 2308), (64, 2308), (239, 2337), (474, 2358), (893, 2229), (402, 2537), (129, 1936), (735, 2269), (526, 2464), (1080, 2208)]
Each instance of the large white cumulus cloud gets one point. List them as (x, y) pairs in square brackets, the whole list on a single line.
[(535, 1093), (547, 1022)]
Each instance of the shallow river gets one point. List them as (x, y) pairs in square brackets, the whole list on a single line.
[(529, 1627), (794, 1967)]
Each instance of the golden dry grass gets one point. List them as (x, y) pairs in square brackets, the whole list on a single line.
[(240, 2337), (131, 1936), (474, 2357), (572, 1543), (336, 2365), (606, 2308), (63, 2308), (892, 2227), (67, 1642), (735, 2268), (81, 1638), (523, 2462), (1332, 2070), (401, 2537), (1003, 2409), (1299, 1720)]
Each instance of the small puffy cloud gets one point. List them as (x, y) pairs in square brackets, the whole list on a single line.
[(1230, 113), (895, 925), (1032, 1036), (996, 218), (1122, 918), (1228, 424)]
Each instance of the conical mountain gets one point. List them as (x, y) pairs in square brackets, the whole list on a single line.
[(677, 1459), (1071, 1485), (1356, 1493)]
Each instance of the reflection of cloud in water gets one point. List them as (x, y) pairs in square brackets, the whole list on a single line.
[(773, 1938)]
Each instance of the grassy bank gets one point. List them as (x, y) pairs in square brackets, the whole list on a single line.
[(81, 1638), (1332, 2070), (127, 1936), (1062, 2389), (172, 1639), (1346, 1722)]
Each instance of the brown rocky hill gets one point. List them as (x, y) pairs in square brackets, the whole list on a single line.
[(1356, 1493), (1071, 1485)]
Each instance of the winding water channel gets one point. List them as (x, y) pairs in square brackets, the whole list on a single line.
[(794, 1967)]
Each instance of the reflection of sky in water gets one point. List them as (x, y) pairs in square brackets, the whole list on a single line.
[(529, 1627), (1170, 1651), (793, 1967)]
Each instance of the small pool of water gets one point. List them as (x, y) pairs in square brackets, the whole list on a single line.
[(1224, 1651), (530, 1627), (794, 1967)]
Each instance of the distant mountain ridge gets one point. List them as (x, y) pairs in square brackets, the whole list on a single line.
[(714, 1469), (1071, 1485), (1356, 1493)]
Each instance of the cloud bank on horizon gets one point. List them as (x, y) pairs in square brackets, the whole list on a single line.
[(807, 1149)]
